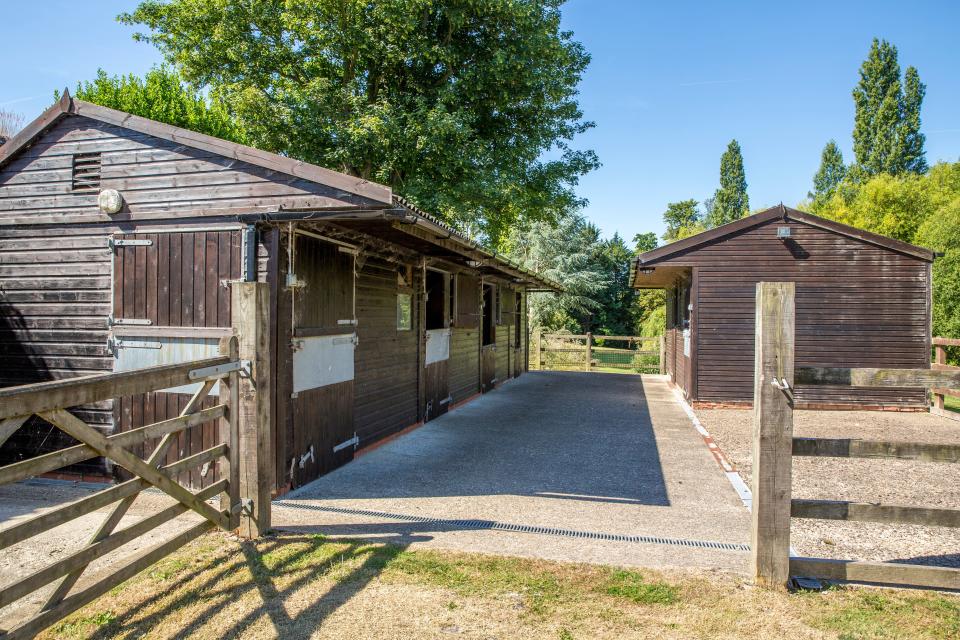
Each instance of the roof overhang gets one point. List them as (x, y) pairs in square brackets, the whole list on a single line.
[(674, 252), (662, 277)]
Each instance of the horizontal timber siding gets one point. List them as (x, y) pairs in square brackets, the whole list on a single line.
[(151, 173), (857, 305)]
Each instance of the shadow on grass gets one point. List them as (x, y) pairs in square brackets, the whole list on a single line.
[(270, 569)]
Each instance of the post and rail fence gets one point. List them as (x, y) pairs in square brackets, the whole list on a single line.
[(774, 448), (594, 352), (233, 464)]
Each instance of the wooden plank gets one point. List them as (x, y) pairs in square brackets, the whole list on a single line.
[(9, 426), (865, 512), (45, 396), (852, 448), (876, 572), (772, 434), (138, 562), (26, 585), (946, 342), (109, 449), (45, 521), (874, 377), (171, 332), (116, 514), (78, 453), (230, 434)]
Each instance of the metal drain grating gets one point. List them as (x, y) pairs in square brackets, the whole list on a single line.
[(518, 528)]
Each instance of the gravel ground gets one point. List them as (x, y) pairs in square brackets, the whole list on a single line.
[(900, 482)]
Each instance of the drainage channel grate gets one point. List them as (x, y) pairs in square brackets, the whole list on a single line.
[(518, 528)]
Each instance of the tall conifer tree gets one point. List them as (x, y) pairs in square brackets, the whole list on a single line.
[(831, 173), (730, 201)]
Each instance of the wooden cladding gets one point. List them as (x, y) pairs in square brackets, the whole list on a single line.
[(468, 301), (323, 297), (177, 280), (85, 172)]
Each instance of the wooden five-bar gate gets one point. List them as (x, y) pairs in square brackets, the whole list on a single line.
[(231, 468), (589, 352), (774, 447)]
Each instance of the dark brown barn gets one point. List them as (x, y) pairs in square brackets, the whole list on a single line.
[(863, 300), (380, 316)]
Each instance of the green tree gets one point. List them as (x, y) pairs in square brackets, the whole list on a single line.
[(911, 139), (886, 132), (683, 219), (566, 252), (644, 242), (730, 201), (831, 173), (162, 95), (616, 314), (467, 108)]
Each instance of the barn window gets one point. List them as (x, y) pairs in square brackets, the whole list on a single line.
[(489, 306), (85, 174), (404, 312), (436, 306)]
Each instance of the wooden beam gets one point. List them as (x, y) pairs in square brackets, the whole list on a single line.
[(83, 432), (850, 448), (772, 434), (9, 426), (38, 524), (865, 512), (70, 392), (250, 303), (78, 453), (946, 342), (871, 377), (138, 562), (876, 572), (79, 559), (230, 434)]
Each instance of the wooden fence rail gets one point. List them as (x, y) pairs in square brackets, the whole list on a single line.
[(50, 401), (589, 352), (940, 363), (774, 447)]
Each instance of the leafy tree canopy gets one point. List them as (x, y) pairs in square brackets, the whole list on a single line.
[(886, 132), (454, 103), (683, 219), (162, 95), (730, 201)]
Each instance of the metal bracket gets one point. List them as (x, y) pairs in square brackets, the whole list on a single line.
[(137, 322), (307, 456), (134, 344), (352, 442), (246, 369), (218, 371), (113, 243), (447, 400), (784, 386)]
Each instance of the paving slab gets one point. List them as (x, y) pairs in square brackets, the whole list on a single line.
[(569, 466)]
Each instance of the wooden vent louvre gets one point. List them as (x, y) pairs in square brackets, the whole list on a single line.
[(86, 172)]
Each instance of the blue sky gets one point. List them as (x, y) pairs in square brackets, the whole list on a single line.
[(670, 84)]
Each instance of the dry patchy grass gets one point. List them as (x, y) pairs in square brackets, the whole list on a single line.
[(302, 586)]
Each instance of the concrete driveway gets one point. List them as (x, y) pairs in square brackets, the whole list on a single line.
[(561, 465)]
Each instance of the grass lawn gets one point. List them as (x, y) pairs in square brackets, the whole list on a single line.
[(307, 586), (951, 403)]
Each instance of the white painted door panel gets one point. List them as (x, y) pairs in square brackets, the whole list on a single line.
[(319, 361)]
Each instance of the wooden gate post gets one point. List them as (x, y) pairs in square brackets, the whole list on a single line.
[(538, 347), (772, 434), (941, 358), (586, 365), (663, 354), (251, 313)]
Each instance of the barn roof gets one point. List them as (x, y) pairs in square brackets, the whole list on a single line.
[(675, 250), (387, 213)]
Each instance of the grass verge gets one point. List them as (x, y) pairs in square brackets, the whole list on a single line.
[(308, 586)]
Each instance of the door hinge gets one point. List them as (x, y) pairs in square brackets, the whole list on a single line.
[(352, 442), (113, 243)]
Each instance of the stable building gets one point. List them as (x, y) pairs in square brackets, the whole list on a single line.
[(119, 240), (862, 300)]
